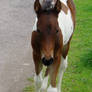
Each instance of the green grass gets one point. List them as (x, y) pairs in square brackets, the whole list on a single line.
[(78, 76)]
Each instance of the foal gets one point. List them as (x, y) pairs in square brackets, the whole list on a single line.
[(51, 38)]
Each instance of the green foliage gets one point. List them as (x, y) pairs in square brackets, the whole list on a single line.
[(78, 76)]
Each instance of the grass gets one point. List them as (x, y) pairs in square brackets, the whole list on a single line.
[(78, 76)]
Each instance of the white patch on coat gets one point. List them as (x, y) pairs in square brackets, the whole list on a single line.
[(66, 25), (44, 84), (64, 1), (63, 67), (38, 81), (51, 89), (35, 25)]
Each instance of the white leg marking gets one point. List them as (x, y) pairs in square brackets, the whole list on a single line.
[(51, 89), (38, 82), (63, 67), (44, 84)]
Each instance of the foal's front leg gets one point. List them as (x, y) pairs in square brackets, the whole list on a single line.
[(38, 69), (53, 71), (45, 82)]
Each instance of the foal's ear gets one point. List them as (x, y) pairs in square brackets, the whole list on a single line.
[(37, 6), (58, 6)]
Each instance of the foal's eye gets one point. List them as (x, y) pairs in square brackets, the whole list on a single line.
[(38, 31), (56, 31)]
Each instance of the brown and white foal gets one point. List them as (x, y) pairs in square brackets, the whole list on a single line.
[(51, 38)]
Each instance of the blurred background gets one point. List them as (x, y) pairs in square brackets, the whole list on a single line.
[(16, 22)]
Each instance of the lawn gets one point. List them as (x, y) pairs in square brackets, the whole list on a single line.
[(78, 76)]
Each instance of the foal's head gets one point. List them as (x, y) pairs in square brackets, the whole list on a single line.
[(47, 39)]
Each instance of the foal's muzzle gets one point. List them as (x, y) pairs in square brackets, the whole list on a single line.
[(47, 62)]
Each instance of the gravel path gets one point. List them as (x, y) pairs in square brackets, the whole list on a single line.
[(16, 22)]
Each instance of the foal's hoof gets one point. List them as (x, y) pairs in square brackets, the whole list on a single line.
[(59, 90), (51, 89), (43, 90)]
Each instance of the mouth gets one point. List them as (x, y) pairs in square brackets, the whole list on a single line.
[(47, 62)]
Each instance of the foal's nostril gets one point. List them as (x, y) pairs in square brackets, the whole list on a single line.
[(43, 59), (51, 60), (47, 62)]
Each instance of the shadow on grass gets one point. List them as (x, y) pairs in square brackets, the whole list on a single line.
[(86, 59)]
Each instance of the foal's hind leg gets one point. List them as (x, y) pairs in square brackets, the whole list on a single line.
[(38, 69)]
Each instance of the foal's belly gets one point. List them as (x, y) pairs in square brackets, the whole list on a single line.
[(66, 25)]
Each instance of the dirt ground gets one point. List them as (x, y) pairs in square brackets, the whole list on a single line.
[(16, 65)]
